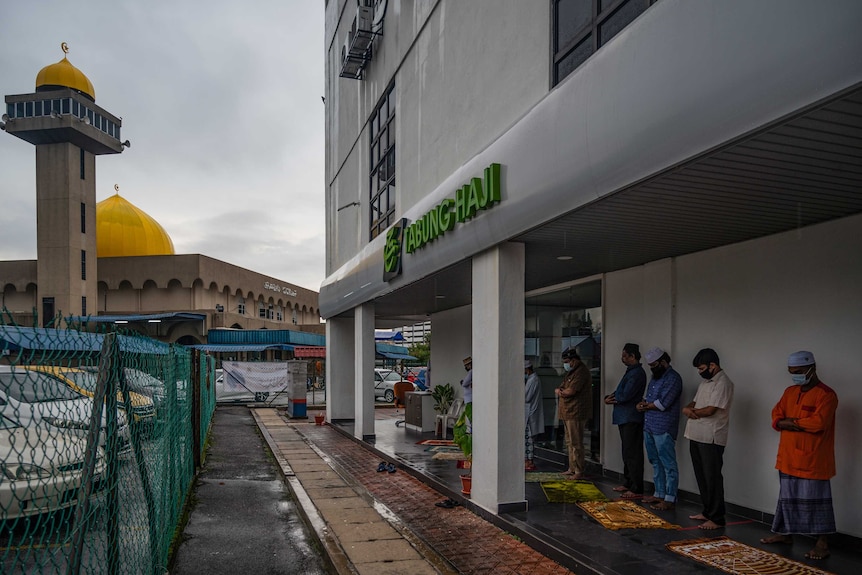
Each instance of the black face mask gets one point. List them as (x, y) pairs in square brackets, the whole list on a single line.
[(705, 374), (658, 371)]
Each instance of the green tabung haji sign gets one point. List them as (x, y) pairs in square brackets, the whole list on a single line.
[(479, 194)]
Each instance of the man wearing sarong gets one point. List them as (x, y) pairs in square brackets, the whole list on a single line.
[(805, 418)]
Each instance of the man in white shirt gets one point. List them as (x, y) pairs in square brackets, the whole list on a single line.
[(706, 429)]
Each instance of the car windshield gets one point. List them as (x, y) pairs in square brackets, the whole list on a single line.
[(141, 381), (392, 376), (34, 387)]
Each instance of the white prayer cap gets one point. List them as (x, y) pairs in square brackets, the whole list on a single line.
[(800, 358)]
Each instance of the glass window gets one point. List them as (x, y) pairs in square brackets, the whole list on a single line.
[(19, 110), (33, 387), (580, 27), (67, 105), (84, 305), (37, 108), (10, 110), (83, 264), (76, 109), (382, 167), (83, 218), (28, 109)]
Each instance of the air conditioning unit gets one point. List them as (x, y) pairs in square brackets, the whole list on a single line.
[(364, 18)]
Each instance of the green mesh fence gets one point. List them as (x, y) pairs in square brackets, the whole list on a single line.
[(100, 436)]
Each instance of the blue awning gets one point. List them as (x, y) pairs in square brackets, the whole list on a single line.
[(154, 317), (225, 348), (14, 338), (390, 355)]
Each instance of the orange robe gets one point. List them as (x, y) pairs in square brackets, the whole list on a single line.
[(809, 454)]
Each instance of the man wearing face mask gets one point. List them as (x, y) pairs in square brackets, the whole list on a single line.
[(706, 429), (661, 426), (805, 417), (575, 395), (533, 412)]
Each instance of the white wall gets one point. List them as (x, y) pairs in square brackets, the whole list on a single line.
[(754, 303), (453, 336)]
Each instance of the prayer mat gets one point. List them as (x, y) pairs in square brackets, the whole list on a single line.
[(624, 515), (443, 448), (436, 442), (449, 455), (733, 557), (571, 491), (543, 476)]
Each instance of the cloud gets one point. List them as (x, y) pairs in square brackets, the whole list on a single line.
[(221, 102)]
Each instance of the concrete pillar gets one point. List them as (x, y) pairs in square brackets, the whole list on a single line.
[(340, 377), (498, 379), (363, 345)]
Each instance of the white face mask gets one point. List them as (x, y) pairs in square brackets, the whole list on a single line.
[(801, 378), (567, 366)]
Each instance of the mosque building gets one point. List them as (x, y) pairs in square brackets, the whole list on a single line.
[(111, 262)]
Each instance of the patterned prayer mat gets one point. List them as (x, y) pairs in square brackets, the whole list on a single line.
[(543, 476), (443, 448), (449, 455), (733, 557), (571, 491), (435, 442), (624, 515)]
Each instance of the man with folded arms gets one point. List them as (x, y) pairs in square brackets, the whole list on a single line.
[(805, 418)]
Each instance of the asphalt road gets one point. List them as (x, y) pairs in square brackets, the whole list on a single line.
[(244, 520)]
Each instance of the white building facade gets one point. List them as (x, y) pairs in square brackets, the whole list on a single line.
[(532, 175)]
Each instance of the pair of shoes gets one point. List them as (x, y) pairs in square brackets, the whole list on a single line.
[(391, 468), (447, 503), (631, 495), (382, 467), (663, 506)]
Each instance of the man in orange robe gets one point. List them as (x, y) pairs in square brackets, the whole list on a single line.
[(805, 417)]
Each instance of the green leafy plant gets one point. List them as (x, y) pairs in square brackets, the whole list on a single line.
[(443, 395)]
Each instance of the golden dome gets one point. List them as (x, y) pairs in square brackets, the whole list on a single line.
[(125, 230), (63, 74)]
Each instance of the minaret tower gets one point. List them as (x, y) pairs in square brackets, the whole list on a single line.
[(69, 130)]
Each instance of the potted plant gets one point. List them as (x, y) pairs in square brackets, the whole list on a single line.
[(443, 395), (463, 438)]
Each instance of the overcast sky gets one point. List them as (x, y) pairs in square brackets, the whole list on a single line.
[(221, 101)]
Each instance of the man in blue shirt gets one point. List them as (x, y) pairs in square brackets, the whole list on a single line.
[(661, 426), (625, 399)]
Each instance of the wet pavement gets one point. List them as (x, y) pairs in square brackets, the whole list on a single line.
[(548, 538), (244, 519)]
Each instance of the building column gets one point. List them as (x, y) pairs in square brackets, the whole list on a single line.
[(363, 345), (498, 380), (339, 369)]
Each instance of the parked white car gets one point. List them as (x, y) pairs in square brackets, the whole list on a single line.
[(37, 400), (41, 471), (384, 384)]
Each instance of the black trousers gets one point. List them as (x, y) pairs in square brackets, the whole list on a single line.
[(707, 460), (632, 438)]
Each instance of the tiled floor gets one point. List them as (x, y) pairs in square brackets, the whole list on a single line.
[(561, 531)]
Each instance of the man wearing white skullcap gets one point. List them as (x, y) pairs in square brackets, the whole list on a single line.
[(805, 417)]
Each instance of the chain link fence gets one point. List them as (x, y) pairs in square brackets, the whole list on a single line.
[(100, 438)]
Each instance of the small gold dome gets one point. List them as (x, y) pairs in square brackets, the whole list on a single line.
[(123, 230), (64, 75)]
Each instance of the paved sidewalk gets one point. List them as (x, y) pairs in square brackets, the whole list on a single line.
[(386, 523)]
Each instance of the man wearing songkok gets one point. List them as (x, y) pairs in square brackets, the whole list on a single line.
[(805, 418), (630, 420), (661, 427)]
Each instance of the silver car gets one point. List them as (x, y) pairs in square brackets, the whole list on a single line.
[(36, 400), (384, 384), (41, 470)]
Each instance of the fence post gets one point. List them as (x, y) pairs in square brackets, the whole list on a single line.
[(195, 382), (85, 491)]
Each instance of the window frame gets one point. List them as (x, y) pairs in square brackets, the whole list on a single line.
[(601, 12), (381, 154)]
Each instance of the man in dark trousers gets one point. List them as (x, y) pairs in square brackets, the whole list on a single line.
[(575, 395), (625, 398), (706, 429)]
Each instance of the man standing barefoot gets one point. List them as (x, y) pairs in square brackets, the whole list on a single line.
[(805, 418)]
